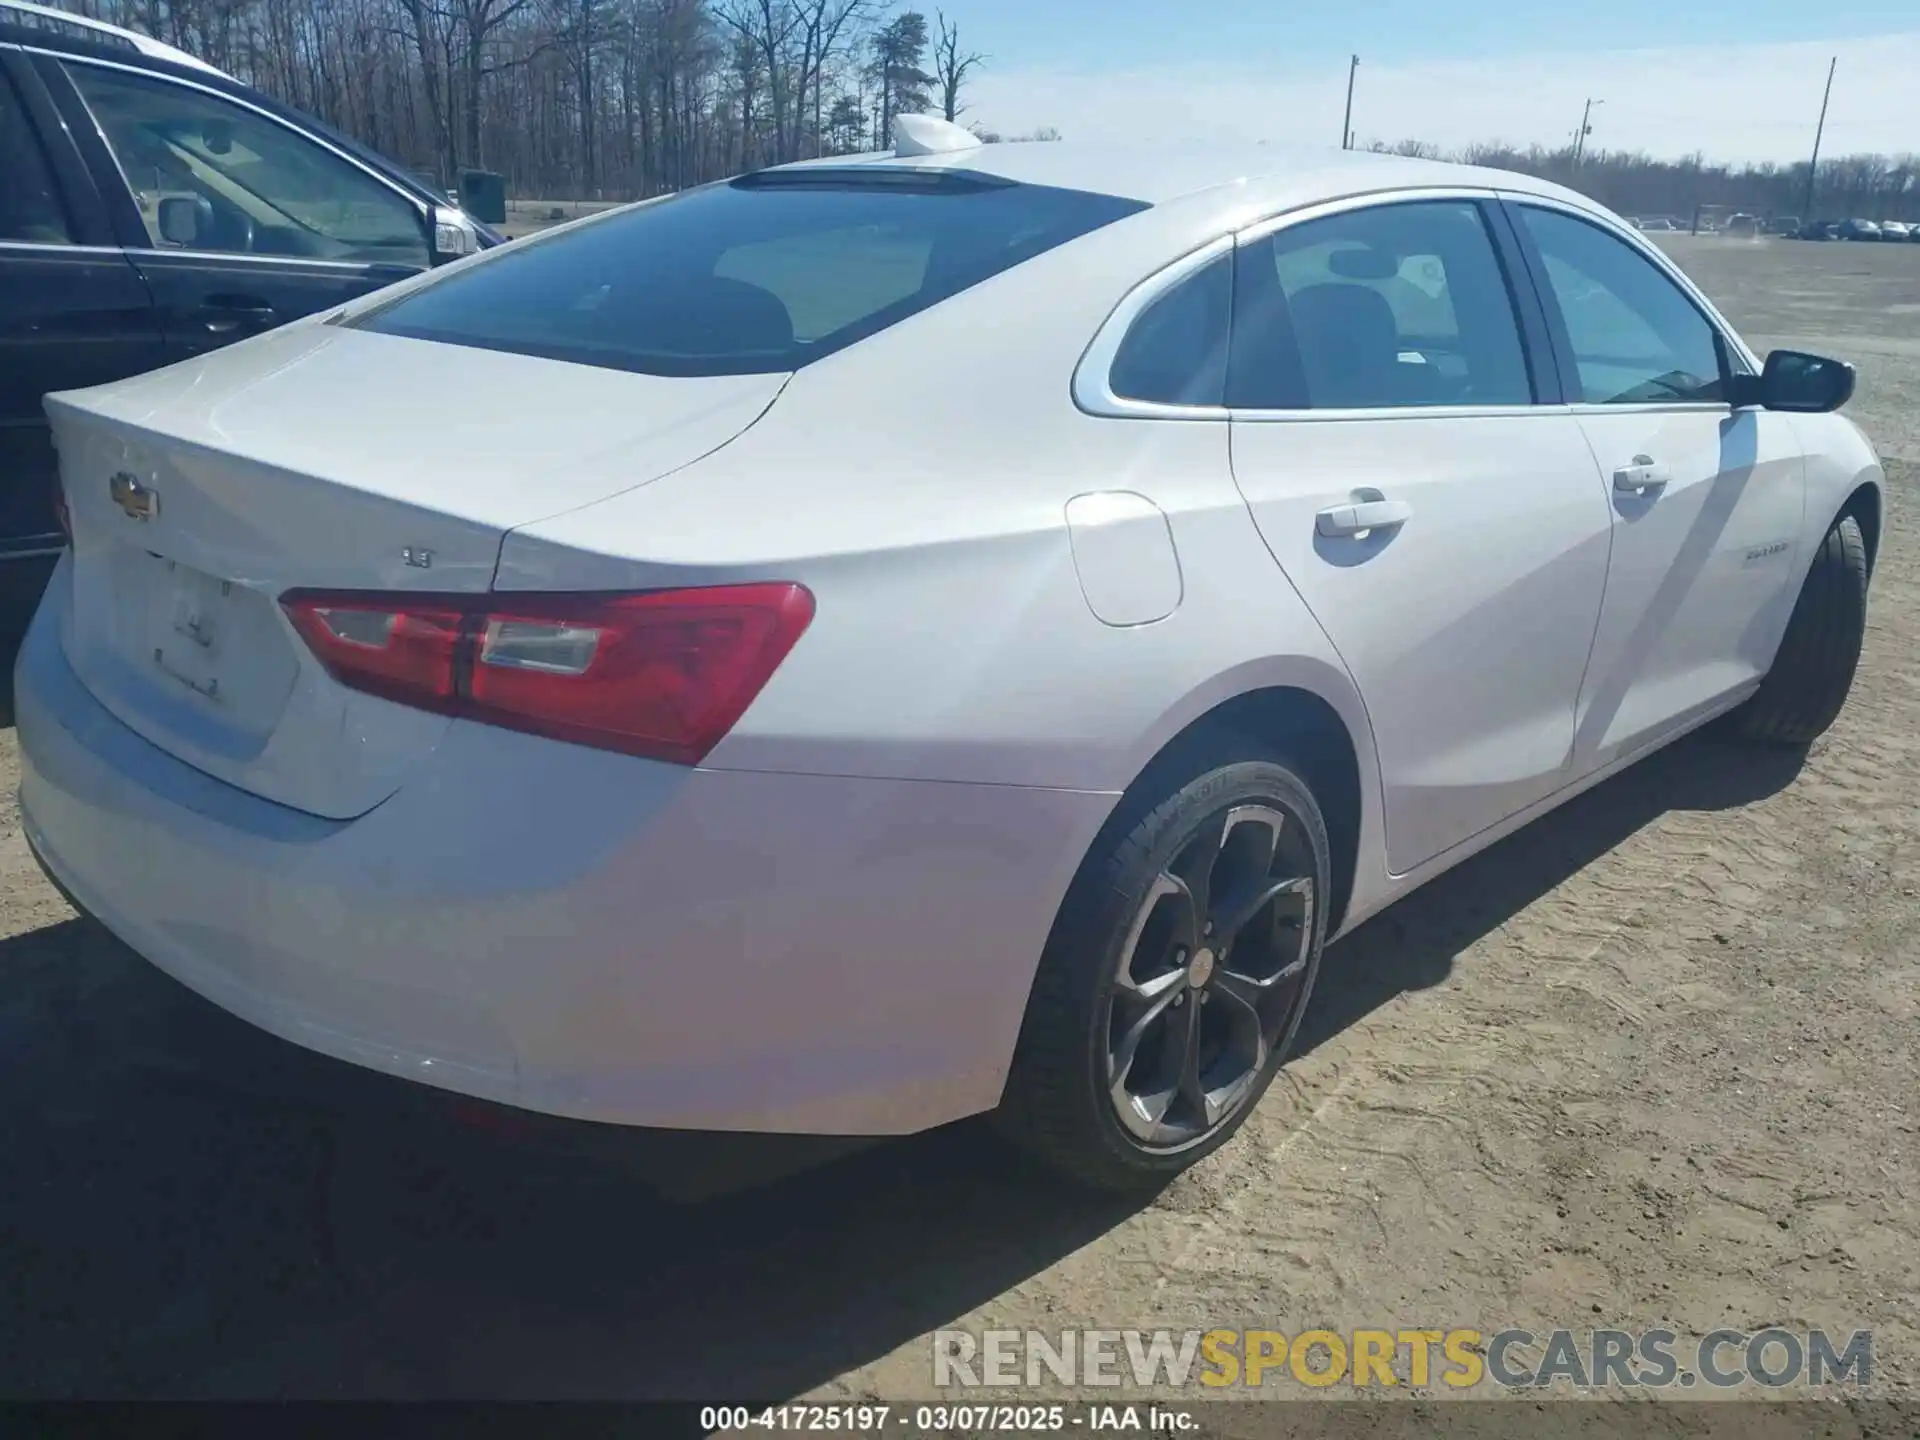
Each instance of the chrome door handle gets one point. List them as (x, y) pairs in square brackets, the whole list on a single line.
[(1364, 516), (1645, 476)]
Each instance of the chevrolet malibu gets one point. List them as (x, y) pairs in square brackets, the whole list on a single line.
[(897, 637)]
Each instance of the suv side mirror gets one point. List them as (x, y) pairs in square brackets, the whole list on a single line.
[(182, 217), (453, 234), (1796, 381)]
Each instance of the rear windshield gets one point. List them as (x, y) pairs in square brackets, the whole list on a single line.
[(761, 274)]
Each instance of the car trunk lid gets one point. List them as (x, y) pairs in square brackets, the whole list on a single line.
[(324, 458)]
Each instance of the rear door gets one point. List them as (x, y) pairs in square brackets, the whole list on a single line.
[(237, 220), (1447, 528), (73, 311), (1706, 500)]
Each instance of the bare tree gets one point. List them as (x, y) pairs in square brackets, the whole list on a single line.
[(951, 65), (825, 28)]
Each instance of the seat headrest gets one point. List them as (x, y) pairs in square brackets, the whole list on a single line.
[(1349, 344), (707, 314)]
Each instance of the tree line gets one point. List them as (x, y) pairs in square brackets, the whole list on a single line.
[(1868, 187), (581, 99), (621, 99)]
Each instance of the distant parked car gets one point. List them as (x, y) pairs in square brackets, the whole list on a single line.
[(153, 208), (1741, 225), (1820, 230), (1658, 222), (1895, 230), (1784, 225), (1859, 230)]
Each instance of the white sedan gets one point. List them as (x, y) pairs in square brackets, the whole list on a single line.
[(896, 637)]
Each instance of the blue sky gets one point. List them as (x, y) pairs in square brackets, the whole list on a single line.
[(1739, 82)]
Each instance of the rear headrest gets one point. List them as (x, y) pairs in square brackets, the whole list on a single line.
[(707, 314), (1349, 344)]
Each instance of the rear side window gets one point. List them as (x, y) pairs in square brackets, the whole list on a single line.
[(1175, 353), (207, 174), (1394, 306), (29, 210), (757, 275)]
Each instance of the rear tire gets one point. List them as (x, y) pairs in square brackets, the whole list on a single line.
[(1177, 973), (1803, 693)]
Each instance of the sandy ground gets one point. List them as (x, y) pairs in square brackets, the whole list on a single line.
[(1650, 1063)]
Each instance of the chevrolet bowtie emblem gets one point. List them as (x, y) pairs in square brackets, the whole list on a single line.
[(136, 501)]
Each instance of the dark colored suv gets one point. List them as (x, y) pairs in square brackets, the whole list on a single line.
[(152, 208)]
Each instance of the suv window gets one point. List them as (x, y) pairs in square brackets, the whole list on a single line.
[(1175, 352), (1636, 337), (1398, 305), (29, 208), (757, 275), (211, 175)]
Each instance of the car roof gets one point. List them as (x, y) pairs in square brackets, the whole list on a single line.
[(44, 18), (1159, 173)]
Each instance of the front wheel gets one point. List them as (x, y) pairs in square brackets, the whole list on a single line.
[(1813, 672), (1176, 975)]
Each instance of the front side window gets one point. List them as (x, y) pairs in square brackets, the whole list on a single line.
[(211, 175), (1175, 352), (30, 211), (1636, 337), (1390, 307), (757, 275)]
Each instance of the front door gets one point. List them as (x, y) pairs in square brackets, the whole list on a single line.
[(1706, 500), (238, 221), (1449, 533)]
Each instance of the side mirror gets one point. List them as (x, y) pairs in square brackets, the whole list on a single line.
[(183, 219), (453, 234), (1796, 381)]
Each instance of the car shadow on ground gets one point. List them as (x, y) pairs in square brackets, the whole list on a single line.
[(192, 1208)]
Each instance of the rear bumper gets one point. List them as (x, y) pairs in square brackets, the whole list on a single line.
[(576, 932)]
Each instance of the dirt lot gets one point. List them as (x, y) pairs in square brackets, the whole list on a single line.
[(1650, 1062)]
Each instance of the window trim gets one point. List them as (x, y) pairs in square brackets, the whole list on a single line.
[(1093, 376), (1093, 394), (1092, 390), (1727, 342), (123, 202)]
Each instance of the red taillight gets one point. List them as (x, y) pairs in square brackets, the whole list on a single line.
[(60, 510), (664, 673)]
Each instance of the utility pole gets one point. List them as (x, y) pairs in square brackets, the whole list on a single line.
[(1586, 129), (1346, 125), (1813, 165)]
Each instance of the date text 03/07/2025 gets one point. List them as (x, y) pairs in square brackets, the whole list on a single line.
[(879, 1419)]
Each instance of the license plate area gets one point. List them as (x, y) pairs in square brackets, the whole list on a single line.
[(201, 665), (197, 612)]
